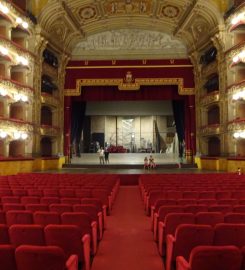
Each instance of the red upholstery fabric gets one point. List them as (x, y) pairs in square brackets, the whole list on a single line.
[(10, 199), (209, 218), (13, 206), (60, 207), (49, 200), (30, 199), (37, 207), (4, 235), (229, 234), (46, 218), (235, 218), (7, 257), (212, 258), (40, 258), (19, 217), (26, 235)]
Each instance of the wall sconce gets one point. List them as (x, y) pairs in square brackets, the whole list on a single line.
[(239, 134)]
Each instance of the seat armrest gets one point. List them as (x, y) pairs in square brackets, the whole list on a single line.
[(104, 207), (170, 243), (155, 226), (182, 264), (100, 221), (161, 229), (86, 251), (72, 263), (94, 236)]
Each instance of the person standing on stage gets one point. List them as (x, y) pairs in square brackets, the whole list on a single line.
[(101, 155), (107, 155)]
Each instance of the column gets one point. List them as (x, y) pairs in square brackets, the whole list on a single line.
[(67, 127)]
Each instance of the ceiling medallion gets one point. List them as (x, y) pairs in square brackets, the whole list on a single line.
[(170, 11), (87, 13)]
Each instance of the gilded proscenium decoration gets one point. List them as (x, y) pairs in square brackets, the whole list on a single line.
[(135, 85), (236, 125), (210, 98), (211, 129), (236, 18), (209, 69)]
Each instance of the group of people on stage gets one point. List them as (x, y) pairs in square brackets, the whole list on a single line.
[(103, 155), (149, 163)]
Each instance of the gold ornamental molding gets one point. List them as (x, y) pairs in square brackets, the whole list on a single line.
[(49, 70), (208, 130), (210, 98), (236, 87), (7, 124), (236, 125), (236, 54), (130, 84), (50, 100), (51, 131)]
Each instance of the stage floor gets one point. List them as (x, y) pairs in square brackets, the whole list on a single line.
[(127, 159)]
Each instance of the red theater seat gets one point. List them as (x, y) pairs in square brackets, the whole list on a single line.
[(187, 236), (60, 207), (211, 258), (229, 234), (37, 207), (7, 257), (43, 258), (235, 218), (4, 235), (209, 218), (13, 206), (10, 199), (49, 200), (19, 217), (68, 237), (46, 218), (30, 234)]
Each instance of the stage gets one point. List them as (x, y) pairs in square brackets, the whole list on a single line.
[(128, 161)]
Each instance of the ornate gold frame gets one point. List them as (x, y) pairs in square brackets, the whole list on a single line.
[(130, 86)]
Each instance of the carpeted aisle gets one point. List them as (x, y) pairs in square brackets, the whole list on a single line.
[(128, 242)]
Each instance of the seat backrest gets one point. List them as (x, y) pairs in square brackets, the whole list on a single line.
[(224, 208), (2, 217), (239, 208), (229, 234), (172, 194), (81, 219), (30, 234), (97, 202), (164, 210), (90, 209), (30, 199), (195, 208), (39, 257), (206, 195), (189, 236), (223, 195), (60, 207), (4, 235), (190, 194), (209, 218), (70, 200), (67, 237), (50, 192), (13, 206), (186, 201), (214, 258), (7, 257), (37, 207), (67, 193), (173, 220), (49, 200), (45, 218), (19, 217), (207, 201), (235, 218), (10, 199)]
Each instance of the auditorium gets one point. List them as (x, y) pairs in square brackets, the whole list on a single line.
[(122, 134)]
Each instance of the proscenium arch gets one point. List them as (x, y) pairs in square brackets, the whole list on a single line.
[(65, 28)]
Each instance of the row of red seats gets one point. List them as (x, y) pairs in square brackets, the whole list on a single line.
[(69, 238), (27, 257), (173, 220), (189, 236), (155, 196), (166, 209)]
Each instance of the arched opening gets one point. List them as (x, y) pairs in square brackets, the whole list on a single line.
[(17, 149), (241, 148), (213, 115), (241, 110), (46, 147), (46, 116), (214, 147), (17, 111)]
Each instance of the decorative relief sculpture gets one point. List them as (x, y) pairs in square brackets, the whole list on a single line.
[(131, 39), (127, 7)]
